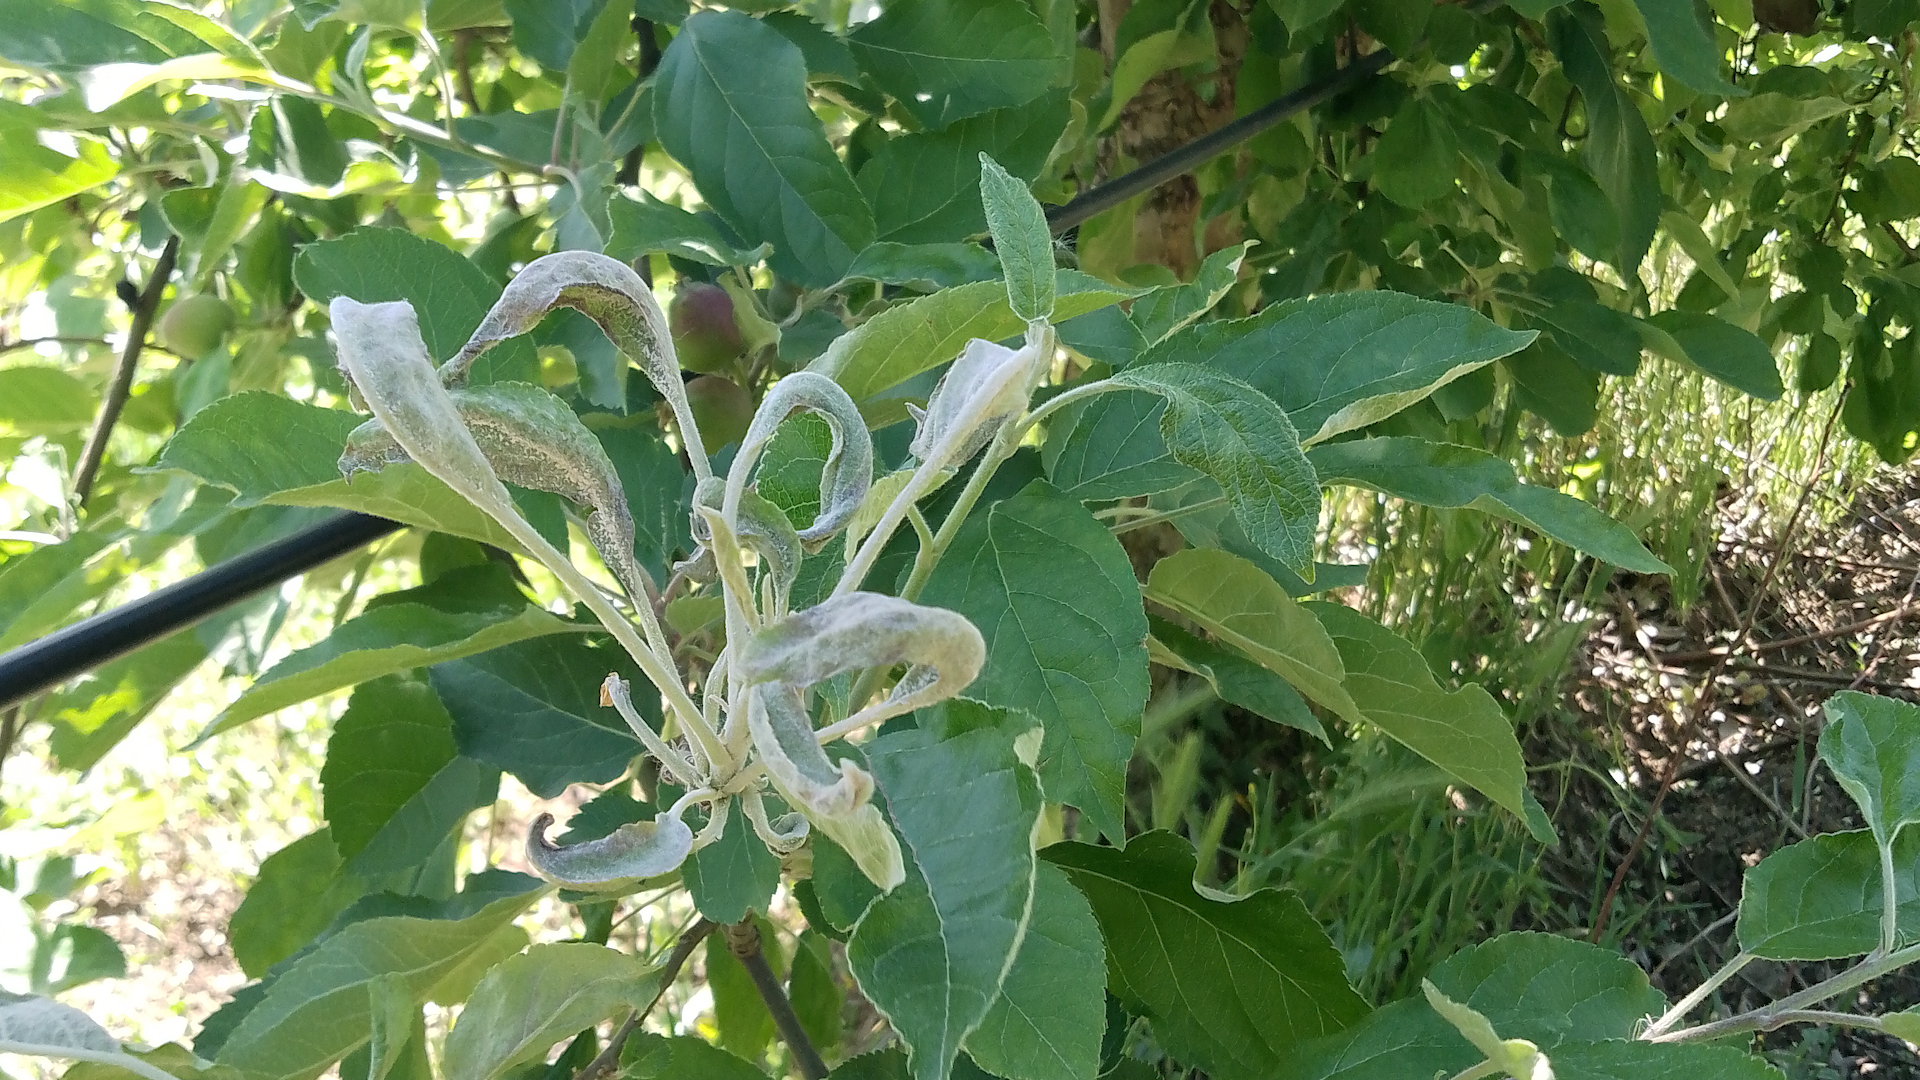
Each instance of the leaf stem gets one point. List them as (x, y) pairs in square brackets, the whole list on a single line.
[(743, 939), (1889, 899), (1488, 1067), (1687, 1004), (609, 1059), (1795, 1007)]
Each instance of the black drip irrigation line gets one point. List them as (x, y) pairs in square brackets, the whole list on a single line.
[(92, 642)]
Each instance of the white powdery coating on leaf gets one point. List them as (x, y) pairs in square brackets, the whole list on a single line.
[(987, 382), (641, 849)]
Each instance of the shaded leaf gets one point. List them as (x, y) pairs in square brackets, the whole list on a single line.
[(932, 954), (533, 709), (318, 1010), (1463, 731), (1053, 594), (945, 60), (1048, 1020), (1444, 474), (1822, 899), (1234, 984), (531, 1001), (729, 103), (394, 784)]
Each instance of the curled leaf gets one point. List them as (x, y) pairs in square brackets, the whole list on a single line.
[(782, 835), (605, 290), (987, 382), (835, 797), (759, 526), (849, 467), (641, 849), (382, 352), (531, 439), (943, 651)]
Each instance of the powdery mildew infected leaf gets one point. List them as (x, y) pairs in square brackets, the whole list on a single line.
[(862, 630), (605, 290), (848, 471), (836, 797), (640, 849)]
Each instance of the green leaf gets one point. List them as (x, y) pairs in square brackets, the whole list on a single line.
[(266, 448), (1633, 1059), (925, 187), (818, 999), (318, 1010), (931, 954), (1597, 338), (1048, 1020), (1173, 307), (533, 709), (924, 266), (531, 1001), (1685, 48), (1463, 731), (1234, 984), (1416, 160), (1351, 359), (1768, 119), (745, 1025), (38, 176), (394, 784), (37, 399), (297, 894), (92, 715), (1055, 597), (1821, 899), (392, 637), (1156, 36), (1020, 238), (63, 37), (1111, 448), (548, 31), (40, 590), (924, 333), (729, 102), (945, 60), (1618, 149), (1545, 988), (645, 225), (258, 444), (1226, 429), (1237, 602), (1399, 24), (686, 1057), (448, 292), (1872, 744), (1236, 679), (1728, 353), (1444, 474), (733, 876)]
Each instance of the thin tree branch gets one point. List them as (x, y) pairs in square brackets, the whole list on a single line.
[(608, 1060), (743, 938), (122, 384)]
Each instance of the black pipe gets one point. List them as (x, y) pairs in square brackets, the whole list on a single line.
[(92, 642), (1187, 158), (87, 644)]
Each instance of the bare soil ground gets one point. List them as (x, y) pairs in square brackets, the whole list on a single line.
[(1779, 629)]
